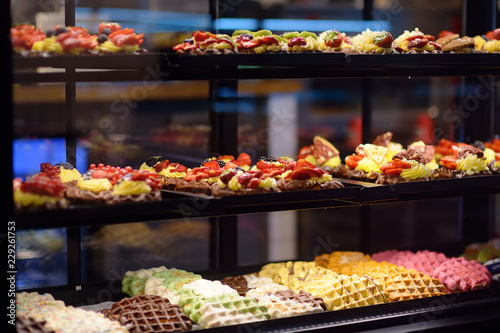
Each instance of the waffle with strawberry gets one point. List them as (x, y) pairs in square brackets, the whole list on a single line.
[(262, 41), (373, 42), (96, 184), (200, 179), (23, 36), (40, 192), (332, 41), (66, 40), (236, 181), (112, 38), (366, 162), (169, 174), (136, 186), (304, 41), (205, 42), (416, 42), (465, 160), (306, 176), (324, 155), (407, 166)]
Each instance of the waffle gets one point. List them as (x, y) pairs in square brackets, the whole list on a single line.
[(133, 283), (149, 313), (212, 304), (238, 283), (341, 262), (74, 320), (342, 291), (423, 261), (293, 274), (224, 310), (260, 291), (459, 274), (36, 305), (30, 325), (255, 281), (287, 303)]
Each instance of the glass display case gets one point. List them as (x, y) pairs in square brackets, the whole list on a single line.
[(120, 109)]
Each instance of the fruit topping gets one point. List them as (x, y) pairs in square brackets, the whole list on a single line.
[(42, 184), (49, 170), (384, 40), (161, 165), (449, 162), (352, 160), (395, 168)]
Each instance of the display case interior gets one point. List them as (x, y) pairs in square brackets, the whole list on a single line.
[(121, 109)]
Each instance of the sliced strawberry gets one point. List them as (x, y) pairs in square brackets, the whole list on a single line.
[(299, 174), (213, 165), (303, 164), (314, 173), (393, 172), (162, 165), (299, 41), (244, 178), (449, 162), (401, 164), (244, 158), (253, 183), (111, 26), (418, 43)]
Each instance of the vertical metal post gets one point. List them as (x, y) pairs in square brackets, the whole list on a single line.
[(7, 122), (477, 106), (73, 235)]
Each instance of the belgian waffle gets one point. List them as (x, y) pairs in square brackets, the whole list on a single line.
[(238, 283), (423, 261), (460, 274), (406, 284), (287, 303), (341, 262), (149, 313), (343, 291)]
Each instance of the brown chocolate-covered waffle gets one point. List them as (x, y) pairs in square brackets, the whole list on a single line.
[(238, 283), (149, 313)]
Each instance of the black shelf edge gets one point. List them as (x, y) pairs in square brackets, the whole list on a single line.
[(164, 66), (178, 205)]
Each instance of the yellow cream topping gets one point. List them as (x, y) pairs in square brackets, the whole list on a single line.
[(131, 187), (311, 159), (368, 165), (110, 47), (489, 154), (472, 164), (68, 175), (403, 42), (94, 185), (31, 199), (326, 177), (144, 166), (416, 171), (311, 45), (48, 45), (492, 46), (332, 162), (234, 184), (268, 183), (432, 165)]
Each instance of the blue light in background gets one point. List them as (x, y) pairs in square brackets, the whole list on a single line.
[(28, 154), (348, 26)]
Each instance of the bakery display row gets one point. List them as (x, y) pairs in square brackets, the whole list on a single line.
[(168, 300), (316, 167), (110, 38), (333, 41)]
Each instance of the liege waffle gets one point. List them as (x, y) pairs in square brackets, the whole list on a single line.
[(424, 261), (288, 303), (292, 273), (223, 310), (460, 274), (36, 305), (254, 281), (341, 262), (30, 325), (149, 313), (343, 291), (403, 284), (259, 291), (75, 320)]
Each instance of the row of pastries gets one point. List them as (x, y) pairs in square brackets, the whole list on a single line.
[(317, 166)]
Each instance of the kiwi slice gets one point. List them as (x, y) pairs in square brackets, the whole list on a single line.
[(280, 39), (241, 32), (262, 33), (290, 35), (306, 34)]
